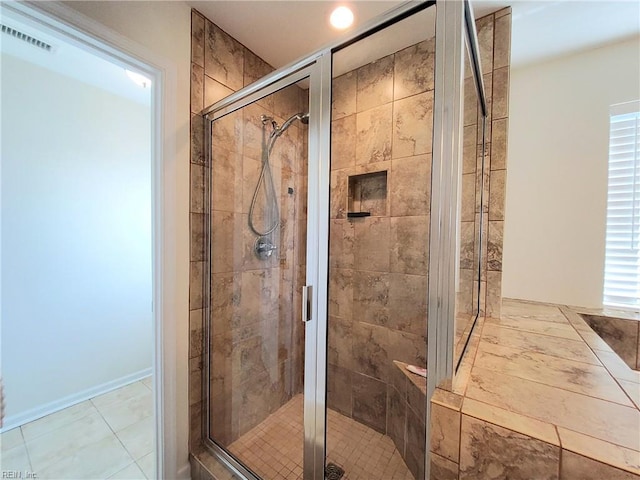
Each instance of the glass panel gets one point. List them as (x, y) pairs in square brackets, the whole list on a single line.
[(470, 214), (382, 116), (258, 195)]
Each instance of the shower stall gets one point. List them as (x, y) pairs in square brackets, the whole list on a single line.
[(344, 232)]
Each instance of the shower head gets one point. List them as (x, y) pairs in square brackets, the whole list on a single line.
[(267, 119), (303, 117)]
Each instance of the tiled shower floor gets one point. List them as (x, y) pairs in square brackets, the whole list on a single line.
[(273, 449)]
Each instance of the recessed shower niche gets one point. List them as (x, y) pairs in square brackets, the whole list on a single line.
[(367, 195)]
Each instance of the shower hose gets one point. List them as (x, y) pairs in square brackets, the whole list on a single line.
[(272, 213)]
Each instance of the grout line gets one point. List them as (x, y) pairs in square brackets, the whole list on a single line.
[(58, 459), (624, 390), (133, 460), (538, 382), (595, 350), (560, 455), (582, 452), (580, 341), (120, 401), (123, 468), (26, 448), (528, 433), (85, 414), (141, 469), (531, 330), (150, 387), (522, 351), (477, 342)]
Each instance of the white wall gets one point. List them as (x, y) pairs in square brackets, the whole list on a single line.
[(163, 29), (557, 172), (76, 240)]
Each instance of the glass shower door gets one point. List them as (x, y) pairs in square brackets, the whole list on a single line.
[(472, 221), (257, 259), (381, 144)]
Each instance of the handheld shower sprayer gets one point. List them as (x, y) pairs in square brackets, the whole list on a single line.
[(264, 246), (279, 130)]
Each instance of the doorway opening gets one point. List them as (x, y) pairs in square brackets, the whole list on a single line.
[(79, 253)]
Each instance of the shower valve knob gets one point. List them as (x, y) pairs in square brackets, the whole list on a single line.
[(264, 248)]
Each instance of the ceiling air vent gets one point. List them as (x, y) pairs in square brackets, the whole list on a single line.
[(26, 38)]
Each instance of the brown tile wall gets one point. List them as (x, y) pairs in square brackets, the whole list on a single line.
[(197, 226), (382, 123), (494, 33), (406, 396), (382, 116), (256, 345)]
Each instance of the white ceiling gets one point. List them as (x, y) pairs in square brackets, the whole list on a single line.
[(283, 31), (67, 59), (548, 29)]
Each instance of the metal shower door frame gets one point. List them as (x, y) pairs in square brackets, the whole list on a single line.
[(318, 68), (455, 26), (312, 408)]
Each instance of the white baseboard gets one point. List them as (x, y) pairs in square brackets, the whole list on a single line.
[(20, 419), (184, 472)]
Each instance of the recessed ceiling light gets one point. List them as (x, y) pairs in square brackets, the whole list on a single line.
[(138, 79), (341, 18)]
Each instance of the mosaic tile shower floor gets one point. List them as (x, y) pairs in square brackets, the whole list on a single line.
[(273, 449)]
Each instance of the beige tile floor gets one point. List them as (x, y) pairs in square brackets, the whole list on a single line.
[(107, 437), (273, 449)]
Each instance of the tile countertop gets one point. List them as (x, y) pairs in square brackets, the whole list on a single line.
[(540, 370)]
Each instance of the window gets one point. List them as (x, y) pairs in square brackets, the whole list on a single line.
[(622, 258)]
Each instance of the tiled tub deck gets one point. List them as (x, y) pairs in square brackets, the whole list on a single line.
[(541, 396), (619, 329)]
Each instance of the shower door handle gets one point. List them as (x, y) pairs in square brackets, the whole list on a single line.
[(307, 295)]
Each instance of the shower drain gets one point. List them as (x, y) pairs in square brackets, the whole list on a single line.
[(333, 472)]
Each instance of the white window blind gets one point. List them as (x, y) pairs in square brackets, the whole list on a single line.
[(622, 258)]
